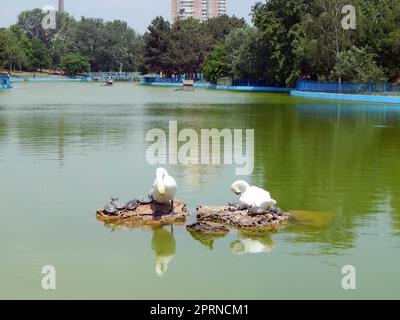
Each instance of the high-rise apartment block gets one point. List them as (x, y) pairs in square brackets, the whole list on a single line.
[(199, 9)]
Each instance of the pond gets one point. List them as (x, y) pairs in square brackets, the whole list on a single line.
[(65, 148)]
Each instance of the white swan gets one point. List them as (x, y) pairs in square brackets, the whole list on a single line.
[(164, 188), (251, 246), (164, 245), (252, 197), (162, 264)]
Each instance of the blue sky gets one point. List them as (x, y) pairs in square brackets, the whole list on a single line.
[(138, 13)]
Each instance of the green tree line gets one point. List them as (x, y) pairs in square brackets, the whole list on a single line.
[(289, 40), (73, 46), (182, 47), (304, 39)]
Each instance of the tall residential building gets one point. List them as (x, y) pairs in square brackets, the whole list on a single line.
[(199, 9), (60, 6)]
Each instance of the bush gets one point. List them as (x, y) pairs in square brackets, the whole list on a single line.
[(74, 64)]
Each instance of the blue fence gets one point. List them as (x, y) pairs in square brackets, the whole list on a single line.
[(349, 87), (48, 79), (122, 76), (175, 79), (148, 79), (252, 83)]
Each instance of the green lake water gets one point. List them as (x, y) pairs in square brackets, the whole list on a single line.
[(65, 148)]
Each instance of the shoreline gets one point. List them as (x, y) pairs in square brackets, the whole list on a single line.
[(217, 87), (346, 97), (251, 88), (48, 79), (393, 100)]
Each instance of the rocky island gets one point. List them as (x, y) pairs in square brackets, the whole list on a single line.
[(218, 219), (146, 214)]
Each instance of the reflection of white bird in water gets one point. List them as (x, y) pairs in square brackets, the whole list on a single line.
[(162, 265), (253, 244), (164, 245), (164, 188), (251, 197)]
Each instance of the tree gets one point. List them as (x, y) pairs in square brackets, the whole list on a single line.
[(25, 49), (124, 46), (61, 42), (74, 64), (245, 54), (41, 58), (215, 65), (108, 44), (291, 39), (11, 53), (188, 47), (280, 24), (325, 38), (357, 65), (30, 22), (181, 48), (87, 39), (379, 23), (390, 55), (57, 41), (156, 41), (219, 27)]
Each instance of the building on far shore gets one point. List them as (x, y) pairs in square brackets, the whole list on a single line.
[(199, 9)]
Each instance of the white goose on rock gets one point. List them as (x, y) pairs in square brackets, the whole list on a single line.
[(252, 197), (164, 188)]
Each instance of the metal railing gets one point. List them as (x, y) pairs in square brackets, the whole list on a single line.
[(151, 79), (384, 88), (123, 76)]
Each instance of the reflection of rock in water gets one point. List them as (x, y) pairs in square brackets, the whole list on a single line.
[(206, 239), (253, 243), (164, 246), (206, 232)]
